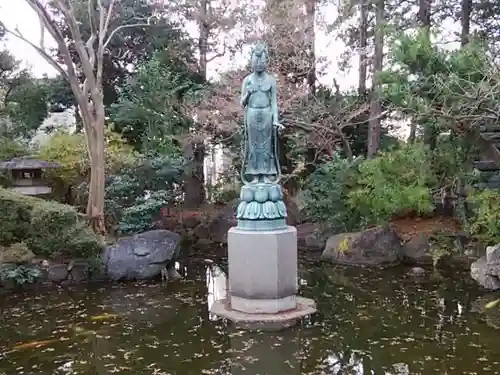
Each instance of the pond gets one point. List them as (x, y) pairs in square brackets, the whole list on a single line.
[(369, 322)]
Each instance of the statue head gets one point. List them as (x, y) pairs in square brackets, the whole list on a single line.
[(259, 58)]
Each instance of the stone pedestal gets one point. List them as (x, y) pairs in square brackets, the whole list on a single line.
[(263, 280)]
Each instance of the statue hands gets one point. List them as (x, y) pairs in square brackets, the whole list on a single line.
[(278, 126)]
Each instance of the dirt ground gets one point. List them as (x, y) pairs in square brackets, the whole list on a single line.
[(409, 227)]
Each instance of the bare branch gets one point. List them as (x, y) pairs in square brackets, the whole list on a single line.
[(91, 107), (51, 26), (89, 45), (47, 21), (42, 34), (85, 58), (218, 54), (123, 27), (103, 28), (90, 13), (41, 51)]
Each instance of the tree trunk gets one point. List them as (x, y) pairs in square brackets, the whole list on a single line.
[(363, 43), (465, 21), (413, 132), (358, 135), (78, 120), (96, 146), (194, 183), (376, 105), (481, 143), (204, 30), (424, 14), (194, 187), (310, 38), (424, 18), (88, 93)]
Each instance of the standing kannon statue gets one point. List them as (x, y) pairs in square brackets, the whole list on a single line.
[(258, 98), (261, 206)]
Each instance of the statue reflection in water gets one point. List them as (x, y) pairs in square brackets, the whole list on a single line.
[(216, 286), (287, 352)]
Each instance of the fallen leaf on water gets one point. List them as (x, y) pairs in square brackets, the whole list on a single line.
[(492, 304), (34, 344), (83, 332), (104, 317)]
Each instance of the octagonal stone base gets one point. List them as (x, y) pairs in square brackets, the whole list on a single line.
[(262, 270), (263, 281), (265, 322)]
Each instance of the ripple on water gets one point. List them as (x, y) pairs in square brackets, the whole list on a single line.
[(369, 322)]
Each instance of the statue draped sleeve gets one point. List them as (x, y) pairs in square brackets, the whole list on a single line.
[(244, 93), (274, 101)]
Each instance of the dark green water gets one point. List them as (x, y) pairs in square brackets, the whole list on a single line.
[(369, 322)]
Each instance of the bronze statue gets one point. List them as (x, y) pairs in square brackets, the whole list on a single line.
[(258, 97), (261, 206)]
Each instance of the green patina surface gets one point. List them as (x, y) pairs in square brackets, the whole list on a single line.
[(262, 207)]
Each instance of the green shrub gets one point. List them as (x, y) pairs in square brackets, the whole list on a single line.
[(46, 227), (394, 183), (140, 216), (20, 275), (15, 213), (325, 196), (483, 223), (71, 153), (344, 196), (10, 148), (127, 209), (224, 192), (47, 216), (82, 242)]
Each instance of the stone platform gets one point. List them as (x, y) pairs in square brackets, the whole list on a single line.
[(263, 280), (265, 322)]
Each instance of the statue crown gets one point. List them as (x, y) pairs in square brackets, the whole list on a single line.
[(259, 48)]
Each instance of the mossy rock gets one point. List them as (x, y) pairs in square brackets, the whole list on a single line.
[(379, 246), (341, 243), (17, 253)]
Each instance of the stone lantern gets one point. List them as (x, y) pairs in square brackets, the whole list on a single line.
[(27, 176)]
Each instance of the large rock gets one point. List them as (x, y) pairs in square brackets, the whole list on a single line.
[(57, 272), (486, 270), (418, 250), (426, 249), (142, 256), (76, 271), (309, 236), (379, 246)]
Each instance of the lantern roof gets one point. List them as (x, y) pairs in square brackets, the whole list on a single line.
[(27, 163)]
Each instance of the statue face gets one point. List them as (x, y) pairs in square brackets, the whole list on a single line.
[(259, 61)]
